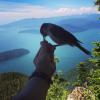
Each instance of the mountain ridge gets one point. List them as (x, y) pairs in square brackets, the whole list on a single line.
[(71, 23)]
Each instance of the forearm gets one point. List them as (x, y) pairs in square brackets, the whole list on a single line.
[(35, 89)]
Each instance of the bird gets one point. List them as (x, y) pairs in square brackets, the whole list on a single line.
[(61, 36)]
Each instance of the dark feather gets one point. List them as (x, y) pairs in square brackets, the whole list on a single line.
[(83, 49), (63, 35)]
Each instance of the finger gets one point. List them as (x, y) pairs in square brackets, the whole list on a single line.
[(47, 47), (44, 43), (36, 57), (50, 48)]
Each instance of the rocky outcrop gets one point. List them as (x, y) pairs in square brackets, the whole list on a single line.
[(81, 93), (12, 54)]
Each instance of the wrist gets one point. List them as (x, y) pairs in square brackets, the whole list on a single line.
[(49, 70), (41, 75)]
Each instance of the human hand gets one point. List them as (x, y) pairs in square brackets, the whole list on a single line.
[(44, 59)]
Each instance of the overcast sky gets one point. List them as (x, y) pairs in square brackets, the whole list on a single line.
[(11, 10)]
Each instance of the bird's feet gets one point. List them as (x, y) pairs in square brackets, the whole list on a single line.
[(56, 45)]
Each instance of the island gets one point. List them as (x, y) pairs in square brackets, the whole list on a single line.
[(12, 54), (27, 31)]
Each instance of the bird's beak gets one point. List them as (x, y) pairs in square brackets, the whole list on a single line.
[(43, 38)]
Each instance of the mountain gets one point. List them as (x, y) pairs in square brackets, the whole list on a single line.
[(80, 24), (72, 23), (29, 23), (28, 31)]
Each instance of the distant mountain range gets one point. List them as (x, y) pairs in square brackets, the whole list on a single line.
[(80, 24), (71, 23)]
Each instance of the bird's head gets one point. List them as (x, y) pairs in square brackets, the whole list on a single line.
[(44, 30)]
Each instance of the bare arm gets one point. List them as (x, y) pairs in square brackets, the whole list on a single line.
[(37, 87)]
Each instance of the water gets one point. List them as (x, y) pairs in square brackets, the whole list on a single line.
[(69, 56)]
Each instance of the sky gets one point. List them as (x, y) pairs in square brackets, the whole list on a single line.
[(12, 10)]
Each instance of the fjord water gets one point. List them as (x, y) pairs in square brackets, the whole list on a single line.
[(69, 56)]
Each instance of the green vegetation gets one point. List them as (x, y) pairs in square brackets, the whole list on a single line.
[(58, 90), (10, 84), (98, 4), (94, 78), (89, 73), (82, 70)]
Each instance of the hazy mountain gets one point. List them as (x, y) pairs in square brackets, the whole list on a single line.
[(71, 23), (28, 31), (80, 24)]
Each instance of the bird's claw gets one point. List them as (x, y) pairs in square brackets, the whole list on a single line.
[(56, 45)]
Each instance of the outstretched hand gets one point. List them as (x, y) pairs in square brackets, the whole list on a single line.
[(37, 88), (44, 59)]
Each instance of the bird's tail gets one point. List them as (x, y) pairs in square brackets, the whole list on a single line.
[(83, 49)]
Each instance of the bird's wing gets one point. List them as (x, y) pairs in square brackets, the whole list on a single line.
[(63, 35), (57, 32)]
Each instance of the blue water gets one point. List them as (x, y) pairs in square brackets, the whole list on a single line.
[(69, 56)]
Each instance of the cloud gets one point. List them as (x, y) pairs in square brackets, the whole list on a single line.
[(15, 11), (77, 11)]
